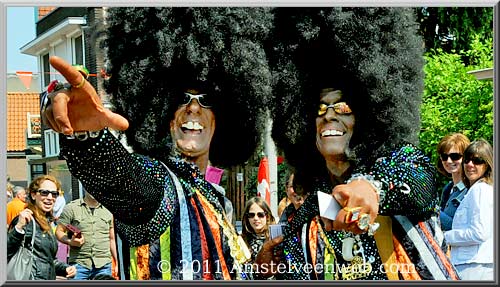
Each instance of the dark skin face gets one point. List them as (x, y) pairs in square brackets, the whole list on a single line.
[(335, 124), (334, 131)]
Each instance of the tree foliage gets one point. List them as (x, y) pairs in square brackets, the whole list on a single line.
[(454, 28), (455, 101)]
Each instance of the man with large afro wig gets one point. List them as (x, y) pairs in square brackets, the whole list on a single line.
[(193, 84), (348, 87)]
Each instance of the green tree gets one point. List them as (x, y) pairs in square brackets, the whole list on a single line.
[(454, 28), (455, 101)]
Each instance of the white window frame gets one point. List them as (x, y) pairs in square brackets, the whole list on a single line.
[(71, 38), (51, 143)]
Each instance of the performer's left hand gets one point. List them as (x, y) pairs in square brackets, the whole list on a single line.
[(358, 196)]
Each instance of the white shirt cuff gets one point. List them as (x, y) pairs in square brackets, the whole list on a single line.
[(19, 231)]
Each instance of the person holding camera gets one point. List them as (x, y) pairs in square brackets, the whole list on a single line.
[(86, 227)]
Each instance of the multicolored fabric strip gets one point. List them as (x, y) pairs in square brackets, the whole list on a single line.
[(428, 257)]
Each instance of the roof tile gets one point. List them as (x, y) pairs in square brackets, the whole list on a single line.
[(18, 107)]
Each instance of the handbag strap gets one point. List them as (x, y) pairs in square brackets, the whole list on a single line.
[(33, 234)]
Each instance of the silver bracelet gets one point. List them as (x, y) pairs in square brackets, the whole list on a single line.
[(376, 184), (53, 87)]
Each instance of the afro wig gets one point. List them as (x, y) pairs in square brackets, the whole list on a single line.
[(374, 55), (156, 53)]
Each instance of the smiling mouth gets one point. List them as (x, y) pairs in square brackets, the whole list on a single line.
[(48, 204), (332, 133), (192, 127)]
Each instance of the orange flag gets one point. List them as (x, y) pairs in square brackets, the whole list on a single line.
[(263, 188), (25, 77)]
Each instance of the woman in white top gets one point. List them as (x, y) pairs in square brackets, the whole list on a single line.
[(471, 236)]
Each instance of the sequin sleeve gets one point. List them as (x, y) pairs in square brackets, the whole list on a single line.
[(408, 182), (135, 188)]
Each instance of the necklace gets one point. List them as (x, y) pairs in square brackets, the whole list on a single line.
[(353, 252)]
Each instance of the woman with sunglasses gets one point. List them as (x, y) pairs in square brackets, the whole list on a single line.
[(347, 117), (43, 192), (257, 217), (471, 236), (450, 150)]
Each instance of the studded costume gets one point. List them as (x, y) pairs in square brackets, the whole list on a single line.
[(172, 214), (408, 179), (173, 220), (373, 56)]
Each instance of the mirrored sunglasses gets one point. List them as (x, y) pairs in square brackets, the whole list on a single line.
[(45, 192), (475, 160), (341, 108), (453, 156), (259, 214), (203, 99)]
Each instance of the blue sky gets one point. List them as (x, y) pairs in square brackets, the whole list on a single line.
[(20, 30)]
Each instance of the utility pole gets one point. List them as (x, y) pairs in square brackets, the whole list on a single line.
[(270, 150)]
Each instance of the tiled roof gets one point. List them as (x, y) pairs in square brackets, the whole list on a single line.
[(42, 11), (18, 107)]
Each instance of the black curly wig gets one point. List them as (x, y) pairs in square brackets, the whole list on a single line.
[(374, 55), (157, 52)]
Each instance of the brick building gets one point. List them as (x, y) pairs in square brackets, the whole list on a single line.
[(67, 32)]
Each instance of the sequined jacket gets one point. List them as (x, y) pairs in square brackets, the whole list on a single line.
[(408, 241), (173, 220)]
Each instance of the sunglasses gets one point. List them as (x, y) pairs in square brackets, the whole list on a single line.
[(453, 156), (259, 214), (45, 192), (341, 108), (203, 99), (475, 160)]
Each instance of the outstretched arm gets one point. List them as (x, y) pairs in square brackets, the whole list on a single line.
[(131, 186)]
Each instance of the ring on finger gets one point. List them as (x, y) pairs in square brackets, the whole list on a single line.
[(81, 83), (352, 214), (372, 228), (84, 73), (364, 221)]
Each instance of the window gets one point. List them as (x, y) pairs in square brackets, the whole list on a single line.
[(51, 143), (78, 50), (36, 170), (46, 70)]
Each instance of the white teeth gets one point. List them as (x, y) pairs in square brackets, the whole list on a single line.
[(192, 126), (331, 133), (197, 126)]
